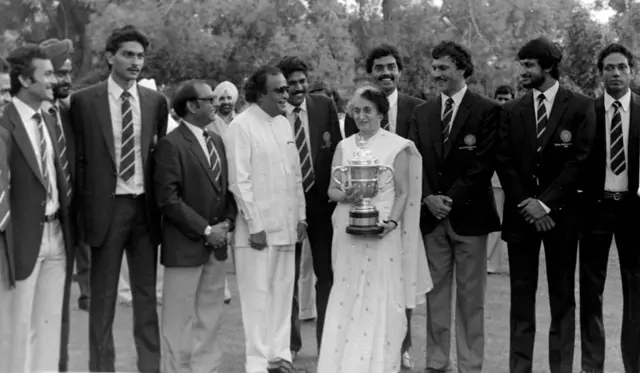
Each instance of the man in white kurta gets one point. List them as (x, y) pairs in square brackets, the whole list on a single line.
[(265, 178)]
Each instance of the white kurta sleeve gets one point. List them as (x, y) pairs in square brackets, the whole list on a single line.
[(238, 147)]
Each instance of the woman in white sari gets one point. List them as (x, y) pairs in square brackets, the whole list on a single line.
[(375, 277)]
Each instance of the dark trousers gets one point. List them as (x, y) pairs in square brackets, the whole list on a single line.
[(320, 235), (524, 257), (609, 218), (129, 232), (83, 265)]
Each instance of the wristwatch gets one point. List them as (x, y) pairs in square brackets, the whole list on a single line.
[(207, 231)]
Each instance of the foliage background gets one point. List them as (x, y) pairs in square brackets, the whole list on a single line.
[(220, 40)]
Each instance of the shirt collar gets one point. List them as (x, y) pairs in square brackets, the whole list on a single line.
[(47, 105), (260, 114), (625, 101), (457, 97), (303, 106), (393, 98), (549, 94), (25, 111), (115, 91)]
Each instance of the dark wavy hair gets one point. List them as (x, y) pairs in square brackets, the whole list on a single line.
[(21, 64), (505, 90), (256, 85), (383, 51), (290, 64), (125, 34), (460, 55), (373, 94), (615, 48)]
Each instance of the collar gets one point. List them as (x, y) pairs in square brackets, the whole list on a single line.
[(624, 100), (47, 105), (457, 97), (549, 94), (197, 131), (260, 114), (115, 91), (25, 111), (393, 98), (303, 107)]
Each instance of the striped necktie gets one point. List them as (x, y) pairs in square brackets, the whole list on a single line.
[(541, 124), (214, 160), (308, 178), (5, 212), (446, 120), (43, 153), (127, 149), (62, 146), (616, 155)]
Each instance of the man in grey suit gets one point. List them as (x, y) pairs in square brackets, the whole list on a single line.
[(198, 211), (117, 124)]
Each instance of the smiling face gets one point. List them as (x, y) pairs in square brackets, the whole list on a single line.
[(385, 73), (274, 100), (449, 78), (616, 74), (5, 89), (298, 87), (40, 85), (225, 103), (63, 77), (531, 74), (365, 114), (126, 63)]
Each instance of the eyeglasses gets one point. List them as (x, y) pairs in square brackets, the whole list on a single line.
[(282, 90), (211, 100)]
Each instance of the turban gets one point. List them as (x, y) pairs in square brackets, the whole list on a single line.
[(58, 51), (148, 83), (541, 49), (226, 87)]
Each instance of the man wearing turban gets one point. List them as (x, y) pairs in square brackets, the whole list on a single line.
[(227, 95)]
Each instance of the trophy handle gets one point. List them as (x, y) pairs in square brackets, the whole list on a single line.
[(383, 168), (341, 169)]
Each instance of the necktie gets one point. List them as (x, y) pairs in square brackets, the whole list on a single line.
[(446, 120), (5, 212), (385, 122), (618, 162), (127, 150), (541, 124), (214, 160), (43, 153), (62, 146), (308, 178)]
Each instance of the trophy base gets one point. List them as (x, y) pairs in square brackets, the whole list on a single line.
[(364, 231)]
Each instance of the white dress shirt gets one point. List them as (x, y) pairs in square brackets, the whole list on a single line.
[(135, 184), (26, 114), (304, 117), (613, 182), (265, 177), (199, 134), (393, 111), (457, 99)]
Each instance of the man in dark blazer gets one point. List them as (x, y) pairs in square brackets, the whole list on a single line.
[(7, 253), (610, 185), (456, 135), (198, 211), (314, 120), (544, 138), (39, 191), (384, 66), (117, 125)]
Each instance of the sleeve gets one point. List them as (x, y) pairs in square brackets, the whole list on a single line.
[(414, 135), (507, 172), (350, 127), (238, 148), (231, 209)]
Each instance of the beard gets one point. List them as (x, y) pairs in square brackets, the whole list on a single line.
[(535, 82), (225, 109), (61, 91)]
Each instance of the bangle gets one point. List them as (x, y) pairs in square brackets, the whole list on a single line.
[(392, 221)]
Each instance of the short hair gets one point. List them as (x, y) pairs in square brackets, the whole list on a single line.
[(615, 48), (186, 92), (505, 90), (373, 94), (4, 66), (458, 53), (256, 85), (21, 64), (290, 64), (380, 51), (125, 34)]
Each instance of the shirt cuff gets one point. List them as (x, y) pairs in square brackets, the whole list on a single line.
[(545, 207)]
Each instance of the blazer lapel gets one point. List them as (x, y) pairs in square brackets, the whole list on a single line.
[(314, 118), (104, 116), (61, 180), (146, 124), (22, 139), (197, 151), (458, 122), (633, 145), (435, 128), (529, 122), (560, 105), (403, 115)]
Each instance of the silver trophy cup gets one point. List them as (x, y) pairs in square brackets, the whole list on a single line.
[(362, 173)]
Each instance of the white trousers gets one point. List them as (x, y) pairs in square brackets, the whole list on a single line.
[(6, 294), (36, 312), (265, 284), (193, 302), (496, 248), (307, 284)]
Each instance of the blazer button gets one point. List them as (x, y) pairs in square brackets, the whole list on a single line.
[(42, 203), (113, 195), (115, 174)]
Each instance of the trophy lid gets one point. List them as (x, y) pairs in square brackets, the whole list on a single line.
[(363, 156)]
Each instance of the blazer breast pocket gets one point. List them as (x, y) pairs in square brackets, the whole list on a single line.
[(469, 142), (564, 140)]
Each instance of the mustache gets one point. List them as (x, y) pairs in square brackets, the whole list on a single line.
[(299, 91), (386, 76)]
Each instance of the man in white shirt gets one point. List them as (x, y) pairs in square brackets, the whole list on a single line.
[(266, 180), (612, 209), (39, 191)]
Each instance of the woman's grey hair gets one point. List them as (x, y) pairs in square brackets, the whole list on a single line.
[(373, 94)]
